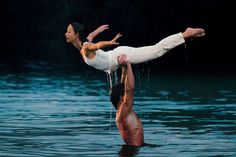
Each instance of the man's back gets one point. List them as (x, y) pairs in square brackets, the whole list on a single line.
[(130, 127), (122, 98)]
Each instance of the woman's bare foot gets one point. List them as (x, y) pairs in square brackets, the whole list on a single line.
[(193, 33)]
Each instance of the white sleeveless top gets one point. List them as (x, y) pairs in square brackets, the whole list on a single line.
[(102, 61)]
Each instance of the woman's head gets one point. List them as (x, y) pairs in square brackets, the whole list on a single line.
[(74, 31), (116, 94)]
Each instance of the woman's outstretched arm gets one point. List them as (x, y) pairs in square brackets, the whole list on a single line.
[(103, 44), (96, 32)]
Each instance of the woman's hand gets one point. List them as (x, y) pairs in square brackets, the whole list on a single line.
[(113, 41), (102, 28)]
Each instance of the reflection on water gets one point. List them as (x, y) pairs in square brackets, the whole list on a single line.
[(47, 113)]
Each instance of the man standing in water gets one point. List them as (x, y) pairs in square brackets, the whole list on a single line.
[(122, 98)]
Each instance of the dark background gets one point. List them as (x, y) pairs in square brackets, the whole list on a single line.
[(34, 30)]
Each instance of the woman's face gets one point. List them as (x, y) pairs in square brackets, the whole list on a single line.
[(70, 34)]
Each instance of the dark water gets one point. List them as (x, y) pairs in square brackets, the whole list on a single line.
[(48, 113)]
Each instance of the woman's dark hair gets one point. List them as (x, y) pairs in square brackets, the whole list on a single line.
[(117, 92), (79, 28)]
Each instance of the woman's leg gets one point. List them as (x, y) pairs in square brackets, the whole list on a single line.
[(147, 53)]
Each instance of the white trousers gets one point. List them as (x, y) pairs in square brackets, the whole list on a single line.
[(145, 53)]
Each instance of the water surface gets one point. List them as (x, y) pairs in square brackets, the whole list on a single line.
[(60, 113)]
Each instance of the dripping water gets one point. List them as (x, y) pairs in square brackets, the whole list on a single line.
[(111, 76)]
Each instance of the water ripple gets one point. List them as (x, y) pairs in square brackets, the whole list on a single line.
[(56, 115)]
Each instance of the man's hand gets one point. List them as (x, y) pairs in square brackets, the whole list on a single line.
[(122, 60)]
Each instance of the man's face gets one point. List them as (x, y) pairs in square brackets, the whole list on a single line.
[(116, 94)]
